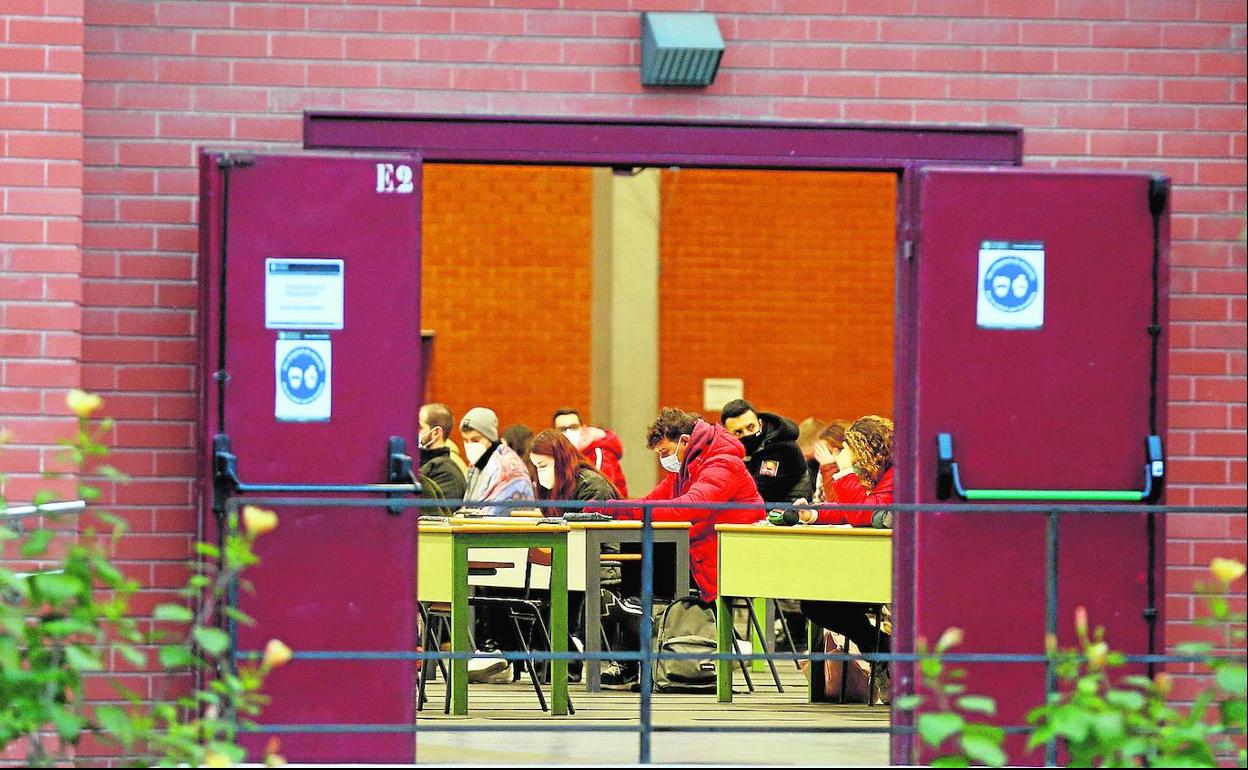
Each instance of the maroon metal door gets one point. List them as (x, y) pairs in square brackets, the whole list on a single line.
[(1036, 291), (309, 392)]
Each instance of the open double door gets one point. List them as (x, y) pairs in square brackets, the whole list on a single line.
[(1030, 305)]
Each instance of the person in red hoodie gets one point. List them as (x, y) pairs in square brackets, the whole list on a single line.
[(863, 476), (600, 446), (704, 464)]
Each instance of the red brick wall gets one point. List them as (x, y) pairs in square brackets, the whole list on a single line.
[(40, 235), (784, 279), (505, 287), (1138, 84)]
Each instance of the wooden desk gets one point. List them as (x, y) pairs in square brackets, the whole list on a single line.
[(442, 576), (592, 536), (585, 543), (822, 563)]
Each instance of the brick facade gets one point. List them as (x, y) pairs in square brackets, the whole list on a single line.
[(106, 104)]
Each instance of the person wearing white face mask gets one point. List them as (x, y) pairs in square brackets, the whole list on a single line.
[(601, 447), (495, 472), (437, 461), (560, 472)]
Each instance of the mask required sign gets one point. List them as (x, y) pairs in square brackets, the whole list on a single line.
[(1010, 289), (302, 368)]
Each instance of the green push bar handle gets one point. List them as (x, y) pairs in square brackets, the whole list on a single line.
[(949, 481)]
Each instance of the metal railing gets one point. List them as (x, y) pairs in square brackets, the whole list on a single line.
[(646, 656)]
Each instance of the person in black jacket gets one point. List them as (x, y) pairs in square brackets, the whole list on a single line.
[(771, 453), (436, 460)]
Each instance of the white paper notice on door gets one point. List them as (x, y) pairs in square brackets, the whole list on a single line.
[(303, 372), (301, 293)]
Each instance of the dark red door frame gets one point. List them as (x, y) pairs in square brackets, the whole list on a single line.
[(713, 144)]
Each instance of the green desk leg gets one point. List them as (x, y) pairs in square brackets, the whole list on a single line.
[(723, 668), (459, 626), (759, 645), (559, 625)]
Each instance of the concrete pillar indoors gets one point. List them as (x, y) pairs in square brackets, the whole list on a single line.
[(624, 349)]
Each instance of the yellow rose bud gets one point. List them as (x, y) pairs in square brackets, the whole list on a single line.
[(213, 759), (82, 403), (1226, 570), (258, 521), (1164, 683), (951, 638), (1098, 654), (1081, 620), (275, 654), (271, 756), (1050, 644), (274, 760)]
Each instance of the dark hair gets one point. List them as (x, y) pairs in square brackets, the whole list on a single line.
[(518, 437), (569, 463), (439, 416), (561, 412), (735, 408), (671, 424)]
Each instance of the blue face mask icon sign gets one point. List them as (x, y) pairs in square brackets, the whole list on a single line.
[(1011, 284), (303, 375)]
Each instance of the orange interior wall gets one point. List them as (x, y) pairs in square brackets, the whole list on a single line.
[(506, 288), (784, 279)]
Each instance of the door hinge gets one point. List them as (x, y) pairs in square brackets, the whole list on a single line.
[(235, 160)]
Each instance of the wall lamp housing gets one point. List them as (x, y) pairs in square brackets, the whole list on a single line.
[(680, 49)]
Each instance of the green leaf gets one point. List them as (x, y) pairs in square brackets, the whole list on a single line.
[(1071, 722), (7, 534), (37, 543), (133, 656), (983, 749), (56, 588), (1125, 699), (43, 497), (173, 613), (1193, 648), (68, 725), (1108, 727), (908, 702), (1233, 679), (214, 641), (176, 656), (116, 722), (952, 760), (1234, 713), (936, 727), (980, 704), (83, 659)]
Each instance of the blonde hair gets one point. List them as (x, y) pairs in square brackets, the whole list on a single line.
[(870, 441)]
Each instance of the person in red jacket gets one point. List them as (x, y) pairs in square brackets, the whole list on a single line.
[(600, 446), (864, 476), (704, 464)]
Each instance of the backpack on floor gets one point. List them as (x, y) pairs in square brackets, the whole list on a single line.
[(855, 674), (686, 626)]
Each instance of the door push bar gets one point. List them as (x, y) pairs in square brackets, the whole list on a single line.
[(226, 483), (949, 480)]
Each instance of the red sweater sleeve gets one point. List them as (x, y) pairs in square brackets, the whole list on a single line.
[(848, 489)]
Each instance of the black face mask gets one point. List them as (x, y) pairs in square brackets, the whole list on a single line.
[(752, 443)]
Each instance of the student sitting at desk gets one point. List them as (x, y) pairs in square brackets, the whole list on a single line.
[(561, 472), (864, 477), (704, 464), (495, 472)]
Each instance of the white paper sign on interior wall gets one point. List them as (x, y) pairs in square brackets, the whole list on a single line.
[(718, 391)]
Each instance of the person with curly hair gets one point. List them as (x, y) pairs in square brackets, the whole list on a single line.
[(861, 473), (864, 476)]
